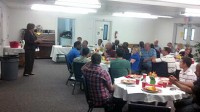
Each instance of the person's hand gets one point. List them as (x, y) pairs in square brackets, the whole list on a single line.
[(172, 79), (132, 60), (153, 59)]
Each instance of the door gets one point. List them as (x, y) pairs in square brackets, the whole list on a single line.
[(103, 31)]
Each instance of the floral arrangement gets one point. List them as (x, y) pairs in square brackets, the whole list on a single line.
[(152, 76)]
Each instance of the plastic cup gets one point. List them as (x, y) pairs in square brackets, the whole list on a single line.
[(164, 84), (144, 76), (143, 84), (137, 81)]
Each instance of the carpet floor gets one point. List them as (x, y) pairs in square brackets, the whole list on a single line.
[(44, 92)]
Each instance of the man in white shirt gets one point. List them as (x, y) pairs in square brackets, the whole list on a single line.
[(186, 74), (167, 58)]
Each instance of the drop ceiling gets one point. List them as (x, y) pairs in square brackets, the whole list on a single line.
[(111, 6)]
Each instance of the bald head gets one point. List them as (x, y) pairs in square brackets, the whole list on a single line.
[(108, 45), (156, 42), (147, 46)]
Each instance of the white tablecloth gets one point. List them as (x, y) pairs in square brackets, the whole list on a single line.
[(193, 66), (130, 93), (57, 49), (12, 51)]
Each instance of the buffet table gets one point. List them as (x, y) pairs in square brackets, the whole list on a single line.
[(59, 50), (135, 93)]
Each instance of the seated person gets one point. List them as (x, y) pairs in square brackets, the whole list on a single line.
[(125, 47), (190, 104), (74, 52), (84, 56), (171, 47), (79, 39), (99, 84), (167, 58), (156, 46), (84, 44), (115, 45), (99, 44), (157, 52), (186, 74), (147, 54), (135, 60), (179, 48), (120, 66), (109, 51), (187, 52)]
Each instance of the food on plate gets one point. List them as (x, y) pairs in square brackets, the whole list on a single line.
[(151, 88), (128, 81)]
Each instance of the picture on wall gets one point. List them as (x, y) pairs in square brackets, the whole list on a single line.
[(105, 32)]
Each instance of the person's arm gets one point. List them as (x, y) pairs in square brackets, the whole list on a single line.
[(183, 87), (107, 81)]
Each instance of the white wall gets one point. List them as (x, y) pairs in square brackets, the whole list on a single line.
[(130, 30), (165, 29), (4, 24)]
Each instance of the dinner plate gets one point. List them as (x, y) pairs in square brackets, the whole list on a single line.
[(128, 81), (150, 91), (134, 76)]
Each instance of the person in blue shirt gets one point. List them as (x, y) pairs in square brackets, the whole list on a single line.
[(74, 52), (147, 54), (135, 60)]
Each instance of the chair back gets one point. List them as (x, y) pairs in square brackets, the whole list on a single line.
[(77, 71), (161, 69), (69, 66), (147, 108)]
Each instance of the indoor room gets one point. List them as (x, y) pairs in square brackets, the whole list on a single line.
[(99, 56)]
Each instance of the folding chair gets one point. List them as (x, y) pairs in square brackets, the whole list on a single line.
[(69, 67), (161, 69), (78, 74)]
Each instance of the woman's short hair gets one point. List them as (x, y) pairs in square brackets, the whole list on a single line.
[(30, 26), (187, 61)]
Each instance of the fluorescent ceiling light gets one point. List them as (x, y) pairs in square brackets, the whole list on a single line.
[(139, 15), (54, 8), (136, 15), (189, 2), (79, 3), (191, 12)]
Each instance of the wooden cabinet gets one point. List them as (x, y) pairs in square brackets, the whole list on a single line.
[(46, 45)]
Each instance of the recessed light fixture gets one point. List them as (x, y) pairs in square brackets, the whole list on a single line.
[(54, 8), (189, 12), (139, 15), (79, 3)]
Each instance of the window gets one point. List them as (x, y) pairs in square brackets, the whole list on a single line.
[(185, 33), (192, 35)]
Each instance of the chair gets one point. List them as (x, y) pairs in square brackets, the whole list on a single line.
[(78, 74), (88, 98), (147, 108), (69, 67), (161, 69)]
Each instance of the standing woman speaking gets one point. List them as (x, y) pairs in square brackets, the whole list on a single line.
[(30, 46)]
